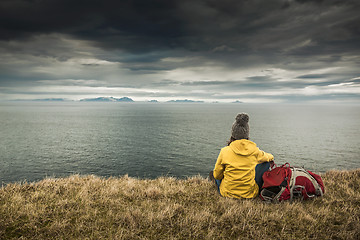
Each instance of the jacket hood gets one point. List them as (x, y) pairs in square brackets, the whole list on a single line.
[(243, 147)]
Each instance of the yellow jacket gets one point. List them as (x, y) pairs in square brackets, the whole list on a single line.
[(235, 166)]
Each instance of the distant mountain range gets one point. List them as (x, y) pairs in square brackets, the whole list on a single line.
[(50, 100), (185, 101), (112, 99), (107, 99)]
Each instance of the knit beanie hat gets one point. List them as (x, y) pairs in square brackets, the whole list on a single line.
[(240, 128)]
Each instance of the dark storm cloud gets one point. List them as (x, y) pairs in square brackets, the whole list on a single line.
[(196, 45), (133, 25), (200, 25)]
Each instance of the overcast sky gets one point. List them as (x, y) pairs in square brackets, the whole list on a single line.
[(211, 50)]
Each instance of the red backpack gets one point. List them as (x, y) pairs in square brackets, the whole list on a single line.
[(287, 183)]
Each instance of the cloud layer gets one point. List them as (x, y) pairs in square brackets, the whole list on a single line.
[(166, 49)]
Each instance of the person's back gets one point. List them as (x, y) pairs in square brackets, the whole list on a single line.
[(235, 166)]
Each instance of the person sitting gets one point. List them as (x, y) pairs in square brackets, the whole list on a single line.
[(240, 165)]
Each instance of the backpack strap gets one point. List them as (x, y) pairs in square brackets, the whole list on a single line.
[(289, 178), (277, 197), (292, 183)]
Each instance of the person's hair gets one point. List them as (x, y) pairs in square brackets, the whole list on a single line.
[(233, 139), (230, 140)]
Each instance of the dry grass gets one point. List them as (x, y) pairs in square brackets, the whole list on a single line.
[(89, 207)]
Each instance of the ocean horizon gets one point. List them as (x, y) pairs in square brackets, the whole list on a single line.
[(148, 140)]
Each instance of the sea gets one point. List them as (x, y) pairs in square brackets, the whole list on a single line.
[(149, 140)]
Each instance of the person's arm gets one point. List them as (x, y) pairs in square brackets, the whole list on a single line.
[(219, 168), (264, 157)]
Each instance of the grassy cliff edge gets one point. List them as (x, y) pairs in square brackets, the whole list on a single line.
[(90, 207)]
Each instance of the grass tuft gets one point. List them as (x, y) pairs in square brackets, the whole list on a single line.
[(90, 207)]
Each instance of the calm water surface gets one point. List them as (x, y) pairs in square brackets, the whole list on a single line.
[(162, 139)]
